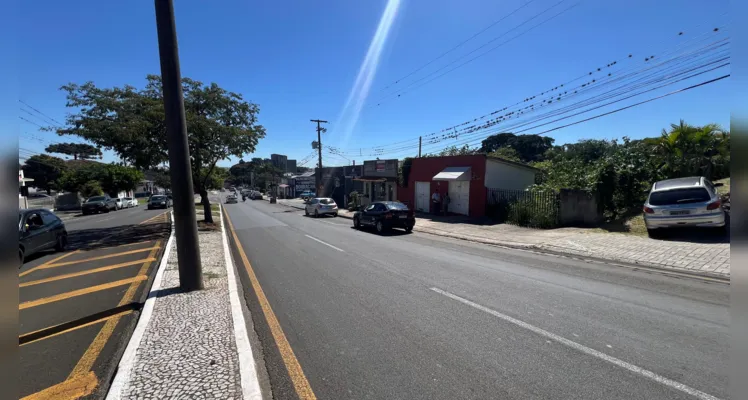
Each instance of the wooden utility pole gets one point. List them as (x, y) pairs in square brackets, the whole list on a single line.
[(318, 175), (419, 147)]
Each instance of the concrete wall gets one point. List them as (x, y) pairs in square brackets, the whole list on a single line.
[(501, 175), (578, 208)]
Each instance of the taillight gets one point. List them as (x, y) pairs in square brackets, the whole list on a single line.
[(648, 210), (714, 206), (388, 215)]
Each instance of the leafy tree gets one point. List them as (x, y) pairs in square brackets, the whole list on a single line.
[(528, 147), (45, 170), (453, 151), (80, 151), (688, 150), (506, 153), (91, 188), (494, 142), (111, 178), (130, 122)]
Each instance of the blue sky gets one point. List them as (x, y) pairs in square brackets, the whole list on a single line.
[(299, 60)]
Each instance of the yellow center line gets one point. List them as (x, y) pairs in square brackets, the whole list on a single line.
[(80, 292), (86, 362), (28, 271), (75, 388), (300, 382), (104, 257), (120, 314), (82, 273)]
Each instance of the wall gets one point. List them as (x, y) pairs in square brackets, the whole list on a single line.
[(501, 175), (578, 208), (423, 170), (380, 168)]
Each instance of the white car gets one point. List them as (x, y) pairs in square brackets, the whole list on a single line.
[(321, 206), (121, 203), (131, 201)]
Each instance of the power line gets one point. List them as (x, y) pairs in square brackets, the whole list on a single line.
[(45, 115)]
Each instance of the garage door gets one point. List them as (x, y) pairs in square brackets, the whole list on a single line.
[(422, 196), (459, 195)]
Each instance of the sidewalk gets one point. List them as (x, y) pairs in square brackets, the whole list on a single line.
[(191, 345), (704, 259)]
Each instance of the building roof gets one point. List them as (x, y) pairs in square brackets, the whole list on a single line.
[(512, 163)]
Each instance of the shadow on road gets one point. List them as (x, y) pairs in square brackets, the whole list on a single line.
[(89, 239), (392, 232)]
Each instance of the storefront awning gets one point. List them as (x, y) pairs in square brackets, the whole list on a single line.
[(453, 174)]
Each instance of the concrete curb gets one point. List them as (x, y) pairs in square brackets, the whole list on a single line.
[(541, 249)]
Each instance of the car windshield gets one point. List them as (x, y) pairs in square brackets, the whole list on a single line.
[(397, 206), (679, 196), (158, 198), (327, 201), (95, 199)]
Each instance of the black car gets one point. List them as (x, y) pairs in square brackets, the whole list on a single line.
[(159, 201), (98, 204), (39, 230), (385, 215)]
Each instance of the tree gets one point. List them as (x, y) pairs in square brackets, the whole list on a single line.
[(453, 151), (528, 147), (111, 178), (494, 142), (45, 170), (91, 188), (80, 151), (131, 122), (506, 153), (689, 150)]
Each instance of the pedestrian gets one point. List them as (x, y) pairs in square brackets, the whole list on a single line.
[(445, 203), (436, 200)]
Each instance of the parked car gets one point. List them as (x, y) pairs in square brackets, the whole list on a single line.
[(39, 230), (122, 203), (321, 206), (308, 195), (159, 201), (131, 201), (231, 199), (385, 215), (256, 195), (97, 204), (683, 202)]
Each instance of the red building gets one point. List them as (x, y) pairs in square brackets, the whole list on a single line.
[(465, 178)]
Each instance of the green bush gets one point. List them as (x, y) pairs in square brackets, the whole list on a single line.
[(91, 188)]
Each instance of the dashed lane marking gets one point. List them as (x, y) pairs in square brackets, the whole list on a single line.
[(88, 272), (104, 257)]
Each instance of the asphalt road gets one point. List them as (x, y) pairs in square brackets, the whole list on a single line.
[(77, 308), (414, 316)]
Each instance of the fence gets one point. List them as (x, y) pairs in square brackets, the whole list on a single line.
[(532, 209)]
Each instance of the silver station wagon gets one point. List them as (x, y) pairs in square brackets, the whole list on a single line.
[(683, 202)]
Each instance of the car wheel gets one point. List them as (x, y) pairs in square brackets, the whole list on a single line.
[(316, 214), (653, 233), (409, 228), (380, 227), (62, 242), (335, 215), (107, 210), (356, 223), (306, 211), (20, 257)]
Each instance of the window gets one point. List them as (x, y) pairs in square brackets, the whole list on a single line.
[(95, 199), (679, 196), (380, 207), (34, 219), (327, 201), (371, 207), (314, 201), (395, 205), (48, 218)]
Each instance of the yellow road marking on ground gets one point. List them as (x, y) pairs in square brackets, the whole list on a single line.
[(86, 362), (123, 253), (75, 388), (81, 292), (24, 273), (120, 314), (82, 273), (163, 214), (300, 382)]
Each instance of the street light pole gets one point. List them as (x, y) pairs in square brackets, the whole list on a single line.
[(318, 175), (185, 221)]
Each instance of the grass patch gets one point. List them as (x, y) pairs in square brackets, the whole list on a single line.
[(213, 206), (208, 226), (631, 223), (726, 186)]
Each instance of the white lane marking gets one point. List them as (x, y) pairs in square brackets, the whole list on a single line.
[(127, 362), (326, 244), (584, 349), (247, 369)]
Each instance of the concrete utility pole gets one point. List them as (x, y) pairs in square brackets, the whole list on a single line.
[(318, 175), (185, 221), (419, 147)]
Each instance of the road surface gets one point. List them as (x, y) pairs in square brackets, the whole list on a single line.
[(414, 316), (77, 308)]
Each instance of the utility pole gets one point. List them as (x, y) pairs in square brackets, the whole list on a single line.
[(318, 175), (419, 147), (185, 221)]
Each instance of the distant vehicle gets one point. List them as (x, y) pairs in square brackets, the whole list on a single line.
[(256, 195), (307, 195), (321, 206), (159, 201), (231, 199), (39, 230), (385, 215), (97, 204), (682, 202), (122, 203), (131, 201)]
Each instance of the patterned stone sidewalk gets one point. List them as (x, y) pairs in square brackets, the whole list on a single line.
[(707, 259), (188, 348)]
